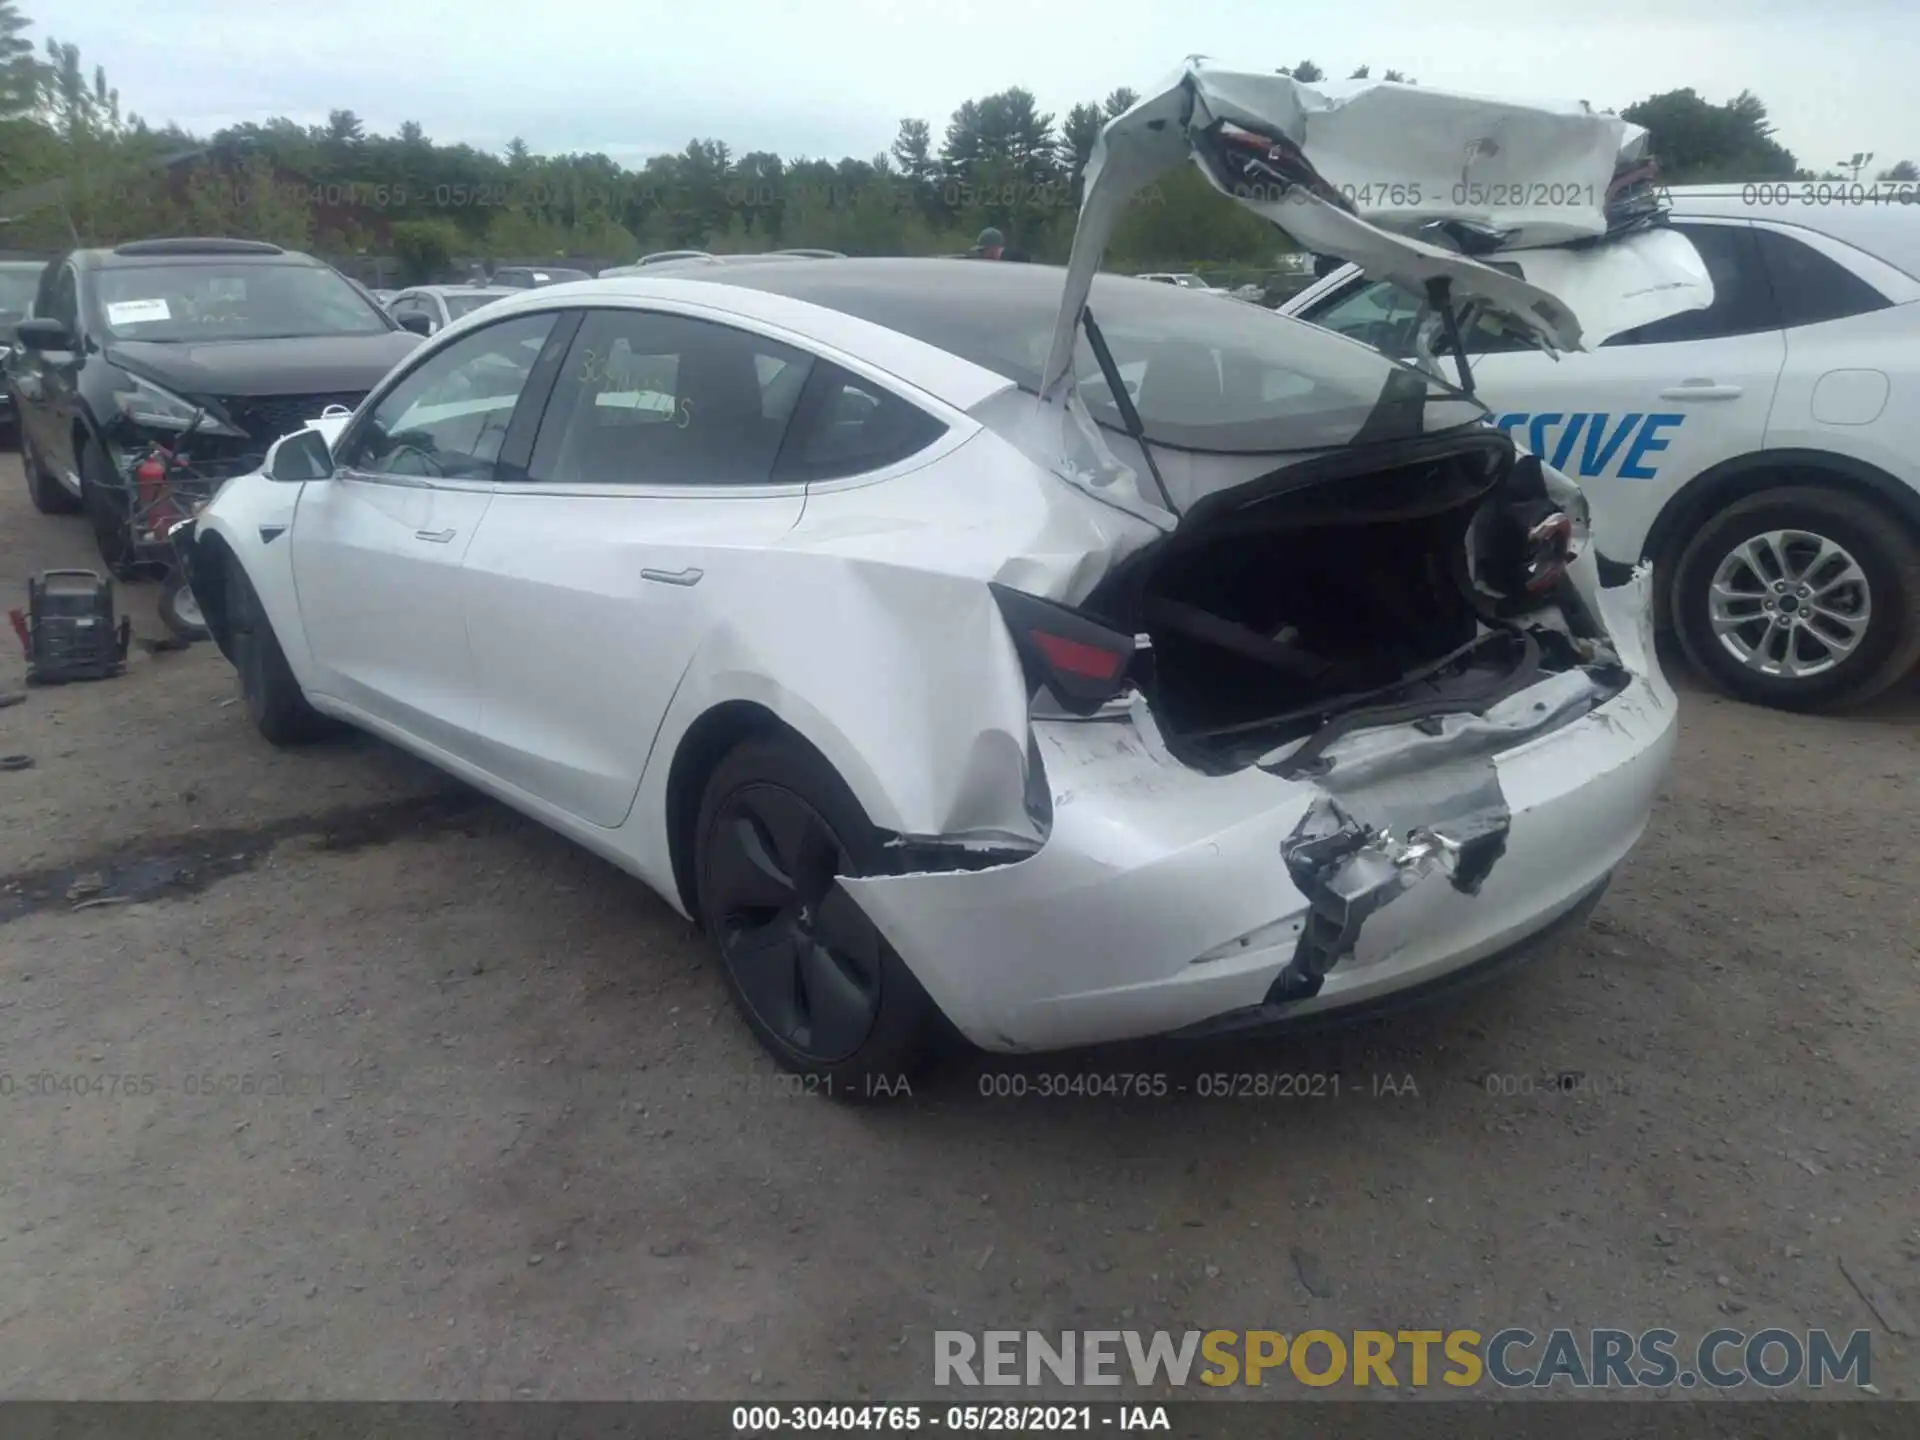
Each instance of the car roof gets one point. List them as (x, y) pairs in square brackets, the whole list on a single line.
[(119, 260), (681, 262), (1888, 230), (445, 290)]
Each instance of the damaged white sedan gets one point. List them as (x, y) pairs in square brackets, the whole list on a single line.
[(1075, 657)]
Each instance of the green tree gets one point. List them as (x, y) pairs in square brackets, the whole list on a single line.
[(1182, 220), (913, 149), (425, 249), (1902, 170), (1077, 133), (19, 71), (1119, 101), (1700, 141), (1306, 72), (345, 128)]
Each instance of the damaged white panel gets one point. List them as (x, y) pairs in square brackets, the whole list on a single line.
[(1403, 157)]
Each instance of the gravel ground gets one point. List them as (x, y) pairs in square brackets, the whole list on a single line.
[(483, 1124)]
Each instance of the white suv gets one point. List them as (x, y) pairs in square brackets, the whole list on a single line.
[(1763, 452)]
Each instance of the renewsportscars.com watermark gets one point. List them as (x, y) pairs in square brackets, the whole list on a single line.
[(1511, 1359)]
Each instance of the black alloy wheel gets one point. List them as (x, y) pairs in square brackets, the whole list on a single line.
[(813, 977), (805, 959)]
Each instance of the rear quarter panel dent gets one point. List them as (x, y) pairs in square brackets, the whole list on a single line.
[(905, 679)]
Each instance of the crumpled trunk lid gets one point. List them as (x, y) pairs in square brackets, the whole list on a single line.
[(1362, 170)]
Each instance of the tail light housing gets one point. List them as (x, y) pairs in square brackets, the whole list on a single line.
[(1080, 662), (1546, 552)]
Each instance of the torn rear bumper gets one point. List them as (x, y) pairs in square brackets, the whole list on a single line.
[(1272, 1018), (1163, 898)]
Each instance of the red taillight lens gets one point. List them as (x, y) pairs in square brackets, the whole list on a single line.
[(1548, 553), (1081, 662), (1075, 657)]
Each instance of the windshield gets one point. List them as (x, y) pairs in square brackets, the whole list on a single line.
[(17, 286), (1234, 379), (215, 301), (458, 305)]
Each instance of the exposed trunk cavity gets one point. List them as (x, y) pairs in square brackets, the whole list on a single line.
[(1322, 599)]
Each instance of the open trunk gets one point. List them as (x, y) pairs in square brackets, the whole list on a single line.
[(1432, 583)]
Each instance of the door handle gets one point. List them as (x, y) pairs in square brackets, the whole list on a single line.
[(438, 537), (689, 576), (1702, 390)]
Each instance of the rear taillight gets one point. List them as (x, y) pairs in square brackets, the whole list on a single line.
[(1548, 552), (1081, 662)]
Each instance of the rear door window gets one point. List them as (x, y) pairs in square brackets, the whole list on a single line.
[(850, 426), (1810, 287), (1743, 299)]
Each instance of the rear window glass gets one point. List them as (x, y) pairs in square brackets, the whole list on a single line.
[(1809, 287), (1204, 372), (850, 426)]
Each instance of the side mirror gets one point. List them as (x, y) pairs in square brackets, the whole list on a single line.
[(43, 334), (416, 322), (303, 455)]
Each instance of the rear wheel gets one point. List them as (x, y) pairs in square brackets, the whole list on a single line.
[(1800, 598), (49, 496), (814, 979), (273, 697)]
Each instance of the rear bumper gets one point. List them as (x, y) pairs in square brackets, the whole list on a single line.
[(1162, 900), (1286, 1019)]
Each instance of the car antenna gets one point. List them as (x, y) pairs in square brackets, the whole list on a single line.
[(1123, 402), (1440, 297)]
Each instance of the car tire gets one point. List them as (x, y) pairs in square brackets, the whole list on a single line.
[(814, 979), (180, 611), (1769, 557), (275, 703), (109, 511), (49, 496)]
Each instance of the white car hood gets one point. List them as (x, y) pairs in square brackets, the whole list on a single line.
[(1404, 157)]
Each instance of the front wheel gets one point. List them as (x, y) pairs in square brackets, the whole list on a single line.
[(813, 977), (275, 703), (110, 510), (49, 496), (180, 609), (1800, 598)]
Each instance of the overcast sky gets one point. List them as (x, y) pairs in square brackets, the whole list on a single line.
[(834, 77)]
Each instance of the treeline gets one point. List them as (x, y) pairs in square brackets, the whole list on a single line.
[(74, 169)]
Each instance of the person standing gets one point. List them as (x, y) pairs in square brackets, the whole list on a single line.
[(992, 245)]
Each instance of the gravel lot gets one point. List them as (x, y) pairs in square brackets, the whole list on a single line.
[(504, 1137)]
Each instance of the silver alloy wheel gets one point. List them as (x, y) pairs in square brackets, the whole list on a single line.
[(186, 605), (1789, 603)]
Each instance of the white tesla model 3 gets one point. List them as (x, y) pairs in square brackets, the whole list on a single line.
[(1075, 657)]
